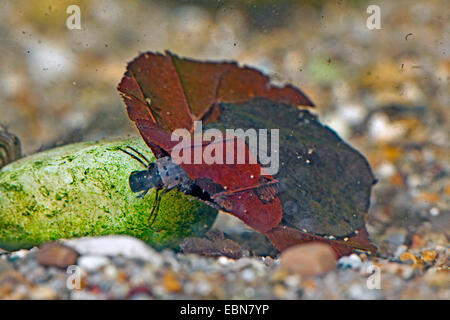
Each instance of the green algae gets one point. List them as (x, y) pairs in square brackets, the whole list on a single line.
[(82, 190)]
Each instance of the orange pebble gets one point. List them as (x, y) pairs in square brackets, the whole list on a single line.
[(397, 180), (171, 282), (122, 276), (309, 284), (406, 256), (431, 197), (429, 255), (447, 190), (393, 153), (417, 262), (417, 241)]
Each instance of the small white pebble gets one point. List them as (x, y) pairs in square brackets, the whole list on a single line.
[(248, 275), (292, 281), (352, 261), (385, 170), (434, 211), (92, 263), (203, 288), (249, 292), (110, 272), (223, 260), (400, 249), (19, 254)]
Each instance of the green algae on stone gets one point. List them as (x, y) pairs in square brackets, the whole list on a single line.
[(82, 190)]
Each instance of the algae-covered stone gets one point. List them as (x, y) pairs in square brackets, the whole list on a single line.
[(82, 189)]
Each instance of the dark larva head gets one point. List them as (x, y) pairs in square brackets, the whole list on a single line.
[(145, 179)]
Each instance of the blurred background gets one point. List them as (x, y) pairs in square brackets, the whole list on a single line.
[(385, 91)]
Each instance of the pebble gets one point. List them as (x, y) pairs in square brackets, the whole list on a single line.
[(119, 291), (361, 292), (86, 295), (279, 291), (350, 262), (382, 130), (126, 246), (409, 257), (16, 255), (224, 260), (434, 211), (438, 278), (5, 265), (249, 293), (110, 272), (397, 239), (171, 282), (56, 255), (92, 263), (400, 250), (309, 259), (43, 293), (248, 275), (292, 280), (429, 255), (417, 241), (203, 288), (402, 270)]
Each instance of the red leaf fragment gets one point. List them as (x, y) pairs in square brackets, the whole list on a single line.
[(283, 237)]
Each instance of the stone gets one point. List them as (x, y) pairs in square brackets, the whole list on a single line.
[(82, 189), (125, 246), (429, 255), (439, 278), (350, 262), (12, 281), (309, 259), (5, 265), (42, 293), (92, 263), (171, 282), (54, 254)]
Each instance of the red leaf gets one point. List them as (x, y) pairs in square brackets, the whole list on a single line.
[(283, 237), (173, 92)]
